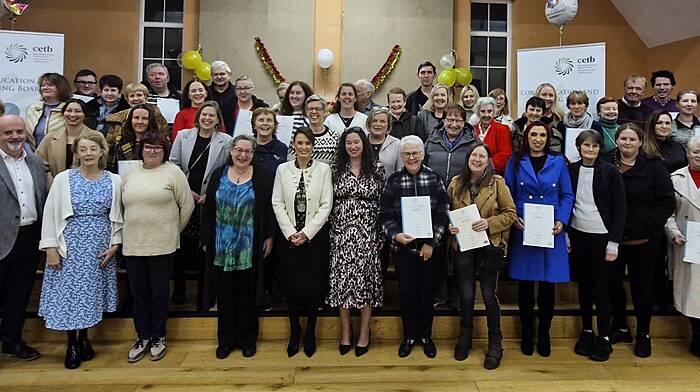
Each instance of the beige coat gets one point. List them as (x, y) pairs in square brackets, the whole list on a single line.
[(52, 151), (495, 205), (53, 124), (686, 276)]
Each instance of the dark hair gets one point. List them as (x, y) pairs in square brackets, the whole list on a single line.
[(464, 178), (663, 73), (84, 72), (306, 131), (62, 86), (336, 104), (156, 139), (603, 101), (455, 107), (287, 109), (536, 102), (342, 159), (128, 129), (396, 90), (219, 116), (259, 112), (234, 141), (111, 81), (426, 64), (79, 102), (185, 101), (525, 145), (649, 144), (589, 134), (633, 127)]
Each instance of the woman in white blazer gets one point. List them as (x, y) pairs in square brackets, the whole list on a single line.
[(198, 152), (302, 198), (346, 112)]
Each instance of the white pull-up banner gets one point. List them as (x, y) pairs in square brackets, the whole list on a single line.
[(24, 56), (568, 68)]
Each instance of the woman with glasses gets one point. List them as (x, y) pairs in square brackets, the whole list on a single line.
[(325, 138), (245, 99), (502, 109), (237, 229), (44, 116), (157, 206)]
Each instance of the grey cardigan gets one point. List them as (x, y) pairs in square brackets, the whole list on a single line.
[(390, 156), (218, 152)]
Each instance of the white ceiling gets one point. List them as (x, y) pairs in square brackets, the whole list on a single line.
[(659, 22)]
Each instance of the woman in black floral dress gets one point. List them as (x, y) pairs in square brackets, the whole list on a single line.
[(355, 269)]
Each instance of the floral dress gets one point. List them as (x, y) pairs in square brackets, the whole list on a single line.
[(355, 268), (75, 296)]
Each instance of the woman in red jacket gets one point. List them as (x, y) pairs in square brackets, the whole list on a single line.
[(492, 133)]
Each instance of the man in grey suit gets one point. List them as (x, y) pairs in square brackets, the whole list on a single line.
[(22, 197)]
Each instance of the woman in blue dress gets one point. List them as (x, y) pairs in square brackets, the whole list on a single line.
[(538, 176), (81, 234)]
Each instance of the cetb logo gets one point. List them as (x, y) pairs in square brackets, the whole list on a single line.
[(564, 66), (16, 53)]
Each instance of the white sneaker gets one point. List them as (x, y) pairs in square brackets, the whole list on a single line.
[(157, 348), (138, 351)]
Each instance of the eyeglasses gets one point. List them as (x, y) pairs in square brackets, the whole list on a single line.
[(84, 82), (314, 109), (454, 120), (245, 151), (152, 148), (47, 85), (243, 88), (414, 154)]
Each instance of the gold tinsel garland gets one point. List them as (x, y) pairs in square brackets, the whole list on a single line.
[(388, 66), (268, 63)]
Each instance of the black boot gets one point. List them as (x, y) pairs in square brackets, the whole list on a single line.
[(294, 337), (544, 346), (695, 344), (310, 340), (72, 355), (86, 351), (495, 352), (526, 335), (464, 344)]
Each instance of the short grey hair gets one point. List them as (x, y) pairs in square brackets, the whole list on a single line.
[(412, 140), (221, 64), (151, 66), (316, 98), (483, 101), (691, 141), (366, 84), (248, 138), (243, 78)]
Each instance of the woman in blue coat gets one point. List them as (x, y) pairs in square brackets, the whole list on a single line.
[(536, 175)]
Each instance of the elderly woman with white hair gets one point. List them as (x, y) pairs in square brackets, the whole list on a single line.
[(492, 133), (413, 256), (686, 274), (222, 90)]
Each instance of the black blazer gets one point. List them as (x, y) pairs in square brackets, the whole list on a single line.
[(650, 195), (608, 195), (263, 228)]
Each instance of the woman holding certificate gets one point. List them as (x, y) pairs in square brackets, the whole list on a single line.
[(478, 184), (539, 183), (685, 263), (597, 225), (650, 202)]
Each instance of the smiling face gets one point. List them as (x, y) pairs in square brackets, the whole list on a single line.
[(314, 112), (347, 98), (302, 146), (197, 94), (12, 135), (412, 157), (577, 109), (74, 114), (469, 99), (139, 120), (634, 90), (547, 93), (478, 160), (663, 87), (135, 98), (353, 145), (694, 155), (608, 111), (397, 104), (297, 97), (244, 90), (242, 153), (89, 153), (537, 139), (265, 125), (110, 95), (379, 125), (687, 103), (48, 91), (440, 98), (629, 143), (533, 113), (208, 119), (486, 115), (663, 126), (589, 151)]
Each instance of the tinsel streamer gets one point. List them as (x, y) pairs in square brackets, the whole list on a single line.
[(388, 66), (268, 63)]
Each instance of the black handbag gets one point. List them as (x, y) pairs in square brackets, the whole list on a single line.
[(492, 258)]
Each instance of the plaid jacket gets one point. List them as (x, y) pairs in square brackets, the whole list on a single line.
[(425, 183)]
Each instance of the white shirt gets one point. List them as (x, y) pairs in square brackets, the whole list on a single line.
[(24, 185), (586, 217)]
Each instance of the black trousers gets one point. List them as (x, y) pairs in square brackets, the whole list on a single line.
[(415, 294), (238, 316), (639, 261), (526, 303), (149, 279), (593, 274), (466, 267), (441, 290), (189, 256), (17, 275)]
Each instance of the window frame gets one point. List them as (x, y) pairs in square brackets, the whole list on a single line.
[(162, 25), (508, 35)]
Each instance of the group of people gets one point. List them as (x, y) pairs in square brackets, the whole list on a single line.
[(320, 215)]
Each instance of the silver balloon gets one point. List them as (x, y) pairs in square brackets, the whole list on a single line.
[(447, 61)]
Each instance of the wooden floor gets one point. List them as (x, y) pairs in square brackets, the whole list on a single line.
[(192, 366)]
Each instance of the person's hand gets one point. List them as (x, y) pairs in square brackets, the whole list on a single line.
[(568, 244), (453, 230), (195, 196), (558, 227), (380, 245), (298, 239), (53, 259), (201, 200), (610, 255), (519, 224), (267, 247), (403, 238), (426, 251), (480, 225), (679, 239), (108, 255)]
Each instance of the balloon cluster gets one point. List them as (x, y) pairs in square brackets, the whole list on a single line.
[(14, 8), (192, 60), (450, 76)]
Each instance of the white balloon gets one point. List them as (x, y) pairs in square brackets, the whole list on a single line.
[(325, 58), (447, 61), (560, 12)]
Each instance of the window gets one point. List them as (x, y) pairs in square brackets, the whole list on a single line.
[(161, 36), (490, 45)]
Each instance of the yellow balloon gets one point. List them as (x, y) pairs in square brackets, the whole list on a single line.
[(447, 77), (464, 76), (203, 71), (191, 59)]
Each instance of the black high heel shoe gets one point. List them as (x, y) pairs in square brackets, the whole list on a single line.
[(345, 348), (72, 360), (293, 346), (310, 346), (360, 350)]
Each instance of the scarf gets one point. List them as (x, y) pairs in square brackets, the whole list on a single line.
[(585, 122)]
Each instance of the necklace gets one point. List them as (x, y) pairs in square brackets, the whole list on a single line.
[(243, 174)]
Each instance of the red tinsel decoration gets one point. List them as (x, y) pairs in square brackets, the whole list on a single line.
[(388, 66), (268, 63)]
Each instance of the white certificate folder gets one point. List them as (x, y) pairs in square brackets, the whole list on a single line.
[(416, 219), (467, 238), (692, 244), (539, 221)]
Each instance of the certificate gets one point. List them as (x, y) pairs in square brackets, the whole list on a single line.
[(169, 107), (285, 127), (570, 149), (467, 238), (84, 98), (243, 125), (539, 221), (416, 219), (124, 167), (692, 245)]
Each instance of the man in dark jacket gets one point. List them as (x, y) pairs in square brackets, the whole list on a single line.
[(418, 98), (223, 91)]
